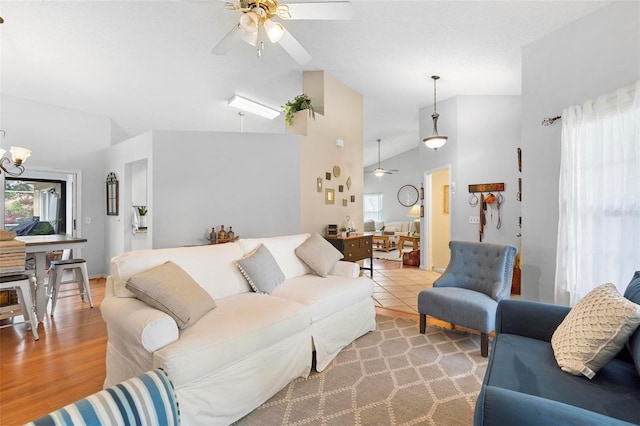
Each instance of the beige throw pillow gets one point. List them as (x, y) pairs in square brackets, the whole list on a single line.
[(594, 331), (169, 288), (319, 254)]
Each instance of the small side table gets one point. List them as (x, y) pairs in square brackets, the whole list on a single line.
[(415, 240)]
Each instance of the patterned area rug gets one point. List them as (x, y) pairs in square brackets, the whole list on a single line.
[(391, 376)]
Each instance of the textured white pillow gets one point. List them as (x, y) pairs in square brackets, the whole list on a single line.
[(319, 254), (594, 331)]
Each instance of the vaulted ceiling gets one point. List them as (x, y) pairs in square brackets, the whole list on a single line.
[(147, 64)]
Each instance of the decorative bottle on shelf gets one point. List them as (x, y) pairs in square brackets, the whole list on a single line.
[(230, 234), (213, 236), (222, 234)]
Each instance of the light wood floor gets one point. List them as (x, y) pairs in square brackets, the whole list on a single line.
[(68, 362)]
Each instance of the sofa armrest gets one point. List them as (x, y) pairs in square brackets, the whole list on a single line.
[(346, 269), (131, 322), (529, 319), (497, 406)]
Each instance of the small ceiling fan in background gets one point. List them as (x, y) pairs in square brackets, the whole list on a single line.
[(258, 23), (379, 171)]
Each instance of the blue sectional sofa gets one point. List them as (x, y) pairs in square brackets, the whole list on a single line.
[(523, 384)]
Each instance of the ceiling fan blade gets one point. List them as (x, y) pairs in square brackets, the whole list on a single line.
[(322, 10), (227, 42), (294, 48)]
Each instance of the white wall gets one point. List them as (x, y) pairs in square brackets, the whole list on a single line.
[(409, 173), (65, 140), (202, 179), (484, 133), (589, 57)]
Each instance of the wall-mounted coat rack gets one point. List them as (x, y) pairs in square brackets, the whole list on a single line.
[(486, 187)]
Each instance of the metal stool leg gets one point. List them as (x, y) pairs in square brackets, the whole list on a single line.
[(55, 287), (85, 282), (23, 290)]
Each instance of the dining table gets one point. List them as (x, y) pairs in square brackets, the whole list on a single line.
[(39, 246)]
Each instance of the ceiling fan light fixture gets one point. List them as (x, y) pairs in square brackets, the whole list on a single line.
[(250, 38), (436, 141), (249, 22), (253, 107), (274, 30), (378, 172)]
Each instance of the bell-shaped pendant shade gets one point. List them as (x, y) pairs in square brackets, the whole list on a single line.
[(436, 141)]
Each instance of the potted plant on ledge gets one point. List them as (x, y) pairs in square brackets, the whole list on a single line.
[(142, 212), (299, 103)]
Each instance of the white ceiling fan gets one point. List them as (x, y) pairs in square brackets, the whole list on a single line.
[(379, 171), (257, 22)]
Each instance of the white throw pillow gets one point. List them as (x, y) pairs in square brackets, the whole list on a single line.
[(594, 331), (319, 254)]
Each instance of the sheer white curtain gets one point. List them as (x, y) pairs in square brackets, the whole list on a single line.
[(599, 226)]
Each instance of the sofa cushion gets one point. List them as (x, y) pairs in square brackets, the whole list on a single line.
[(325, 297), (479, 313), (594, 331), (261, 270), (246, 323), (170, 289), (319, 254), (528, 365), (283, 250), (633, 293)]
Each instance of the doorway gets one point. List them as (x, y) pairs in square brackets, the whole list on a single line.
[(438, 218)]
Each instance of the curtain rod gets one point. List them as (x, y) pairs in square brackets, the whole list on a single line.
[(550, 120)]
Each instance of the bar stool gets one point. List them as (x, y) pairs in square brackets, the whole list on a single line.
[(22, 285), (79, 269)]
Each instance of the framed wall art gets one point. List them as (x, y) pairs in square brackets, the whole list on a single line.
[(329, 196)]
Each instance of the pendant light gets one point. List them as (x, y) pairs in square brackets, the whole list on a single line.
[(436, 141)]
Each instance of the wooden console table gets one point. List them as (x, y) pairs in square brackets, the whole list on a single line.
[(415, 240), (354, 248)]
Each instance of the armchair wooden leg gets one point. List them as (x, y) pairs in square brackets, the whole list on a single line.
[(423, 323), (484, 344)]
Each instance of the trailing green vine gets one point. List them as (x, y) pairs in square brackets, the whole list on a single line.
[(299, 103)]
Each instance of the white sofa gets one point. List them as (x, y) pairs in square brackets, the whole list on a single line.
[(251, 345)]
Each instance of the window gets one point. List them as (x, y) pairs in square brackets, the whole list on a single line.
[(373, 207), (34, 206), (599, 195)]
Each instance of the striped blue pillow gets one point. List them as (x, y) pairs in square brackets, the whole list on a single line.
[(148, 399)]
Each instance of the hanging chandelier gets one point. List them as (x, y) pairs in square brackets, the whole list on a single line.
[(436, 141), (13, 166)]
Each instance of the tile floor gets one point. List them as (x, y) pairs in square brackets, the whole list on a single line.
[(397, 286)]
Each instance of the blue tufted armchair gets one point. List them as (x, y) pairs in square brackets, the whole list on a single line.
[(477, 278)]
